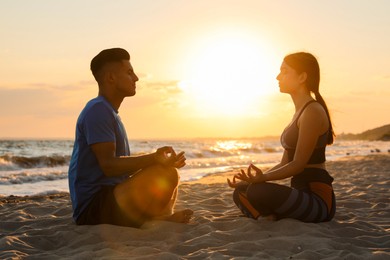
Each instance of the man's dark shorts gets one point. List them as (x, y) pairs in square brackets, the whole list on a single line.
[(103, 209)]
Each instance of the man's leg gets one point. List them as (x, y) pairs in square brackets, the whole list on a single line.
[(171, 205), (149, 194), (168, 214)]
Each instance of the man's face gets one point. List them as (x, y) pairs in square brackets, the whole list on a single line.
[(125, 79)]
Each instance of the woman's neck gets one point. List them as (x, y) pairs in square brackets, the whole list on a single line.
[(300, 99)]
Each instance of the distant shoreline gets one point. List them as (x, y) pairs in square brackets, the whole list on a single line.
[(381, 133), (342, 137)]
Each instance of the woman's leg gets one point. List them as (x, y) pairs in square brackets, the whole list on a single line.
[(263, 199)]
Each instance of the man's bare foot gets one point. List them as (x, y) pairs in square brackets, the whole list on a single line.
[(271, 217), (182, 216)]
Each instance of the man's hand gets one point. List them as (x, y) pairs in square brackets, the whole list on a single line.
[(180, 161), (167, 156)]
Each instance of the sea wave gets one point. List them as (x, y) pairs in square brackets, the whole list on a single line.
[(32, 177), (10, 162)]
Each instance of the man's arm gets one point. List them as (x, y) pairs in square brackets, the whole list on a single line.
[(115, 166)]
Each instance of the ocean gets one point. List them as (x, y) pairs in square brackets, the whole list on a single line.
[(35, 167)]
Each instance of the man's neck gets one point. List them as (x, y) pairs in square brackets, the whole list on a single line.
[(112, 99)]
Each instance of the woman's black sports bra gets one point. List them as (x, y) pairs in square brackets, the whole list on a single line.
[(289, 139)]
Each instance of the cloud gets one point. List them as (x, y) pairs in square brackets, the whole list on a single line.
[(67, 87), (173, 103), (169, 87), (54, 101), (386, 77), (42, 99), (25, 101), (168, 94)]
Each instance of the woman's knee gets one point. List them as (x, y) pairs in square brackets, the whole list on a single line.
[(236, 196), (256, 192), (268, 194)]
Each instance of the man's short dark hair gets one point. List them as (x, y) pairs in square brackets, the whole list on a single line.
[(108, 56)]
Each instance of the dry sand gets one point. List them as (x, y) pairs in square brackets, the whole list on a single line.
[(41, 227)]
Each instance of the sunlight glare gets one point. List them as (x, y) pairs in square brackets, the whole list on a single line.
[(232, 146), (230, 74)]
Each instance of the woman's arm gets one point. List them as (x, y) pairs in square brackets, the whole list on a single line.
[(283, 162), (312, 123)]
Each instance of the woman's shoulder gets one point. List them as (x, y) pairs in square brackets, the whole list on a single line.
[(315, 108), (315, 114)]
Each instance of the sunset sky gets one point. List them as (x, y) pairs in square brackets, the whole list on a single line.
[(206, 68)]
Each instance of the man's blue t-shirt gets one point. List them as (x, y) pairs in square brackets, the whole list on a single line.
[(98, 122)]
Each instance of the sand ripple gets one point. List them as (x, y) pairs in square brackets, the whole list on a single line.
[(41, 227)]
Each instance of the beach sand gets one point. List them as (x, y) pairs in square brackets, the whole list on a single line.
[(41, 227)]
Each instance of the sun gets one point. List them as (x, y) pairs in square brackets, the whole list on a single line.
[(229, 74)]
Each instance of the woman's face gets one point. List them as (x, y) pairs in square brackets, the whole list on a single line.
[(289, 79)]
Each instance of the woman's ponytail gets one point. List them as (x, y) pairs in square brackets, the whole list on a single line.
[(320, 100), (306, 62)]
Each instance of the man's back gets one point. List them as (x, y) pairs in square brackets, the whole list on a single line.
[(98, 122)]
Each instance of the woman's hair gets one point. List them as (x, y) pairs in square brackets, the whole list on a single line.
[(306, 62)]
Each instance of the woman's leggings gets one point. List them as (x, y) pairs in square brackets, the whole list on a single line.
[(263, 199)]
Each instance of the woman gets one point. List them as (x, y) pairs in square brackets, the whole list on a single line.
[(310, 197)]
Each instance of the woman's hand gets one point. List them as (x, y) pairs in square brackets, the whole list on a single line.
[(248, 177), (233, 184)]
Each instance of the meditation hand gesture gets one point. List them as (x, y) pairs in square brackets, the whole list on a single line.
[(167, 156), (247, 177)]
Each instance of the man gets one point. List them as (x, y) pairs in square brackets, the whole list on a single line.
[(106, 184)]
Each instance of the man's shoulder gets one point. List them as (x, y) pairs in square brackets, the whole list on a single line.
[(99, 104), (96, 107)]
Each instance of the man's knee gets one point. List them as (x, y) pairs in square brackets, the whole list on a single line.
[(169, 174), (149, 191), (173, 175)]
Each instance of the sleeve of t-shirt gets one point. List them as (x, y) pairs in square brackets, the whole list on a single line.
[(99, 125)]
